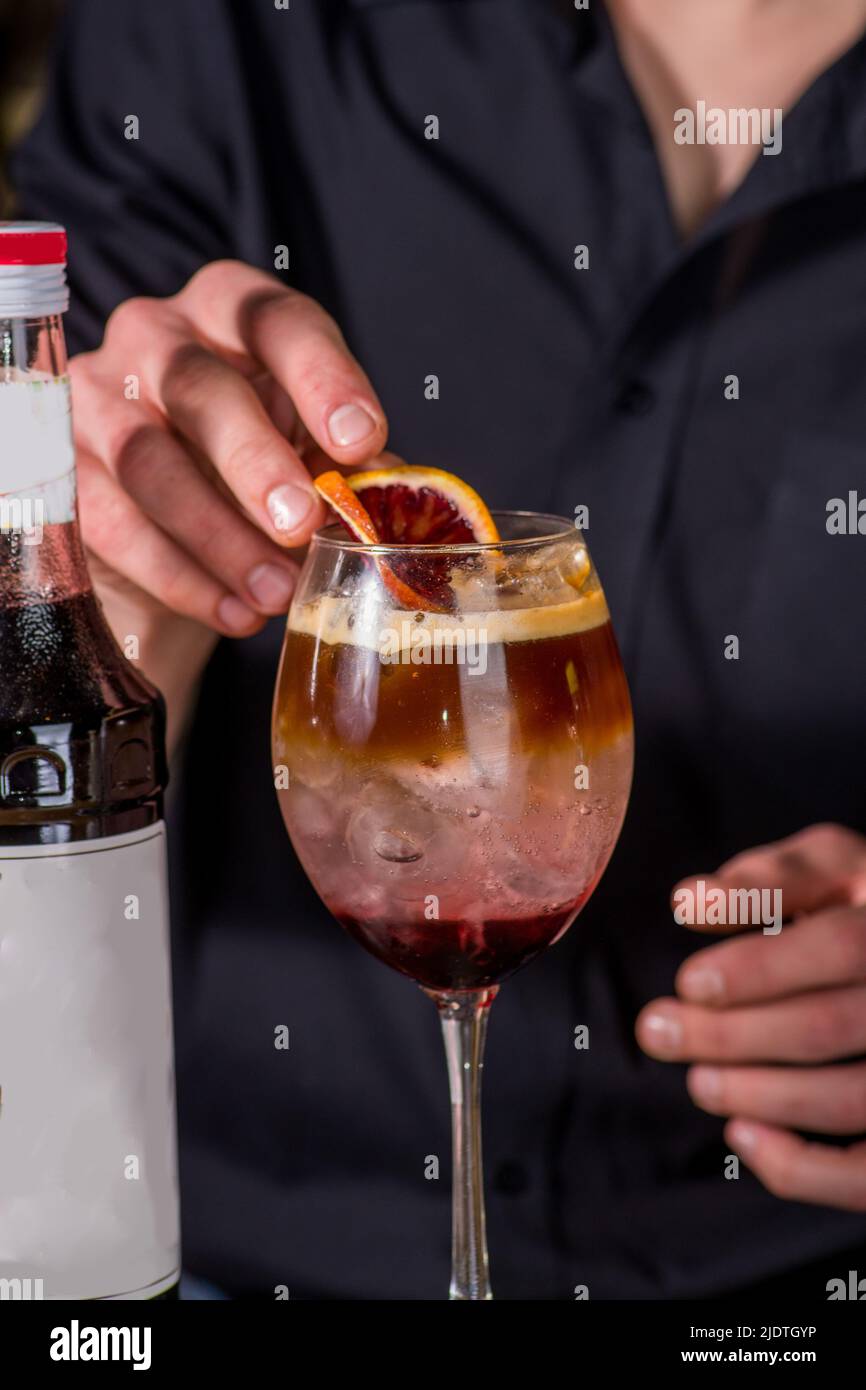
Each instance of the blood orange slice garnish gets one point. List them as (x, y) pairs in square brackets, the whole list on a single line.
[(357, 521), (423, 506), (411, 506), (353, 514)]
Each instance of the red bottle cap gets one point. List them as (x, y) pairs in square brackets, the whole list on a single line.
[(32, 243)]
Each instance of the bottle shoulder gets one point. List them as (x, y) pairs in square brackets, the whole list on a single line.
[(61, 659), (82, 732)]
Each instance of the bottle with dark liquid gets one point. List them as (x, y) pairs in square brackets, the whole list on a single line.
[(88, 1169)]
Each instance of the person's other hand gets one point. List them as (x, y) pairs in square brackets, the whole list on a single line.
[(796, 998)]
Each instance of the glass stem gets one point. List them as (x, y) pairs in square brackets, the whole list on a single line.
[(463, 1016)]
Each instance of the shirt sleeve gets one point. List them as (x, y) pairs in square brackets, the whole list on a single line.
[(130, 151)]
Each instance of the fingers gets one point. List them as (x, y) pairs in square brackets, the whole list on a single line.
[(221, 414), (131, 545), (135, 445), (795, 996), (173, 409), (282, 413), (816, 1027), (825, 1100), (798, 1170), (160, 476), (242, 311), (826, 949), (822, 866)]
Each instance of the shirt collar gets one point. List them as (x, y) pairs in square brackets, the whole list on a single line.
[(823, 134)]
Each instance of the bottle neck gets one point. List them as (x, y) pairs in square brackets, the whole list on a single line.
[(41, 553)]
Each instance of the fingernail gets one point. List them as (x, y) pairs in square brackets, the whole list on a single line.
[(270, 586), (235, 615), (702, 984), (289, 506), (705, 1084), (663, 1032), (349, 424), (742, 1137)]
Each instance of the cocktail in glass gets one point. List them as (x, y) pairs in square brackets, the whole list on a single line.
[(452, 740)]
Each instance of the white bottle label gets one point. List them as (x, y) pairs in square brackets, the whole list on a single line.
[(37, 465), (88, 1161)]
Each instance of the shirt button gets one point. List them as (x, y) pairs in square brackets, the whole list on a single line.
[(511, 1179), (635, 398)]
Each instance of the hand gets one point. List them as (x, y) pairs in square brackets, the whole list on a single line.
[(193, 494), (799, 998)]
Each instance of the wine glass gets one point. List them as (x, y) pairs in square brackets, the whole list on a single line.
[(452, 743)]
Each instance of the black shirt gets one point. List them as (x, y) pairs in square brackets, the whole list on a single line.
[(606, 387)]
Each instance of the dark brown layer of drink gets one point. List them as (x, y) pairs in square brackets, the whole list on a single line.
[(343, 700)]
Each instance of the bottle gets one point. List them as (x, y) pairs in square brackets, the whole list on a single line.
[(88, 1165)]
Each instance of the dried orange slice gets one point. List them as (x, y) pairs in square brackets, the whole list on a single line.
[(423, 506), (411, 506)]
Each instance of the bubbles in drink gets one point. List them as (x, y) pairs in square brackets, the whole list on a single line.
[(446, 829)]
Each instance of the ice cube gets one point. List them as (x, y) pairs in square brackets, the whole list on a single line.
[(397, 839)]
